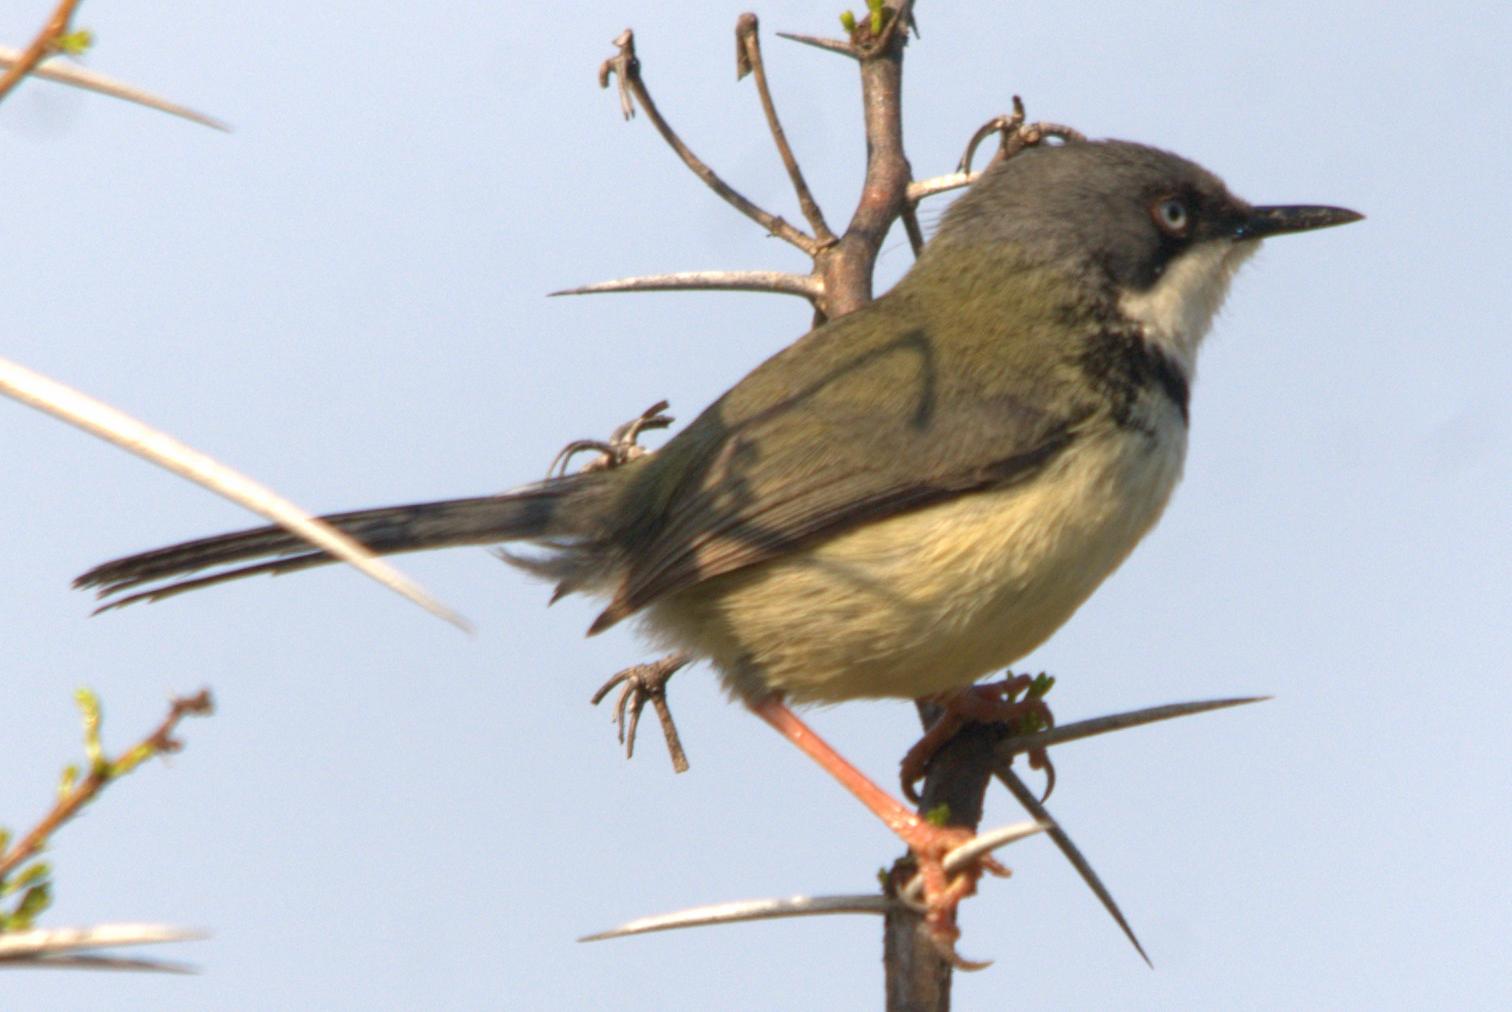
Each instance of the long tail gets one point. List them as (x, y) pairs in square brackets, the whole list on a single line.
[(533, 512)]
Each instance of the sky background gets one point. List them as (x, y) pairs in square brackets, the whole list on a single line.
[(345, 299)]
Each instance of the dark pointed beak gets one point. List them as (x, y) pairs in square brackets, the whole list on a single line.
[(1264, 221)]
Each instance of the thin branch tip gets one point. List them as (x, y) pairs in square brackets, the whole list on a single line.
[(1063, 842), (774, 282), (625, 67), (828, 45)]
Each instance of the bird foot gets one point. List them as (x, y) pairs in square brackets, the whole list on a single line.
[(1017, 701), (943, 891), (929, 843), (622, 446), (642, 684)]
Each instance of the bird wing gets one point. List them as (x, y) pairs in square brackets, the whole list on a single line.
[(889, 425)]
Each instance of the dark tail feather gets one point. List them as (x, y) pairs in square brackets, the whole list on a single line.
[(533, 512)]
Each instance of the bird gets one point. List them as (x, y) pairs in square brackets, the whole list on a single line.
[(908, 497)]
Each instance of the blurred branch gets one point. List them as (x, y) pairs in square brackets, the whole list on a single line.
[(21, 945), (55, 38), (74, 794), (100, 419), (45, 44), (74, 948), (62, 72)]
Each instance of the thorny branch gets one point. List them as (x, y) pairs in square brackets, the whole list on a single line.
[(841, 278), (89, 80), (840, 282), (44, 45), (1014, 135), (1002, 744)]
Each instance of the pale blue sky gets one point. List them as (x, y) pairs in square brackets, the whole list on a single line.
[(345, 298)]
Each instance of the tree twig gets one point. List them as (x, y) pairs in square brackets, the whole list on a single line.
[(1004, 126), (748, 61), (42, 46), (102, 771), (626, 67)]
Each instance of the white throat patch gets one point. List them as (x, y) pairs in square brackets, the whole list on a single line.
[(1178, 310)]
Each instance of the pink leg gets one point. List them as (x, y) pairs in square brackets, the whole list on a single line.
[(929, 843), (898, 818)]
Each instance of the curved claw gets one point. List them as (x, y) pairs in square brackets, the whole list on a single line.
[(1017, 700), (642, 684)]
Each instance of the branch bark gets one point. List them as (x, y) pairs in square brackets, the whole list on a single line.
[(918, 976)]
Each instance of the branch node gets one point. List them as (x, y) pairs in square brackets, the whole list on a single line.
[(45, 44), (626, 67)]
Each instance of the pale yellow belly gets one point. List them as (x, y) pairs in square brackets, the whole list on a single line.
[(934, 599)]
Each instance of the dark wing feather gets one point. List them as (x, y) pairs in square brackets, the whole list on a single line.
[(889, 426)]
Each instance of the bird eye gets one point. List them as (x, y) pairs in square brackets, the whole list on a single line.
[(1171, 216)]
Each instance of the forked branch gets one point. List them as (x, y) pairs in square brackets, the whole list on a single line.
[(625, 67)]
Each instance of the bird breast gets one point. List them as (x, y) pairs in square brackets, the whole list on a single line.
[(936, 598)]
